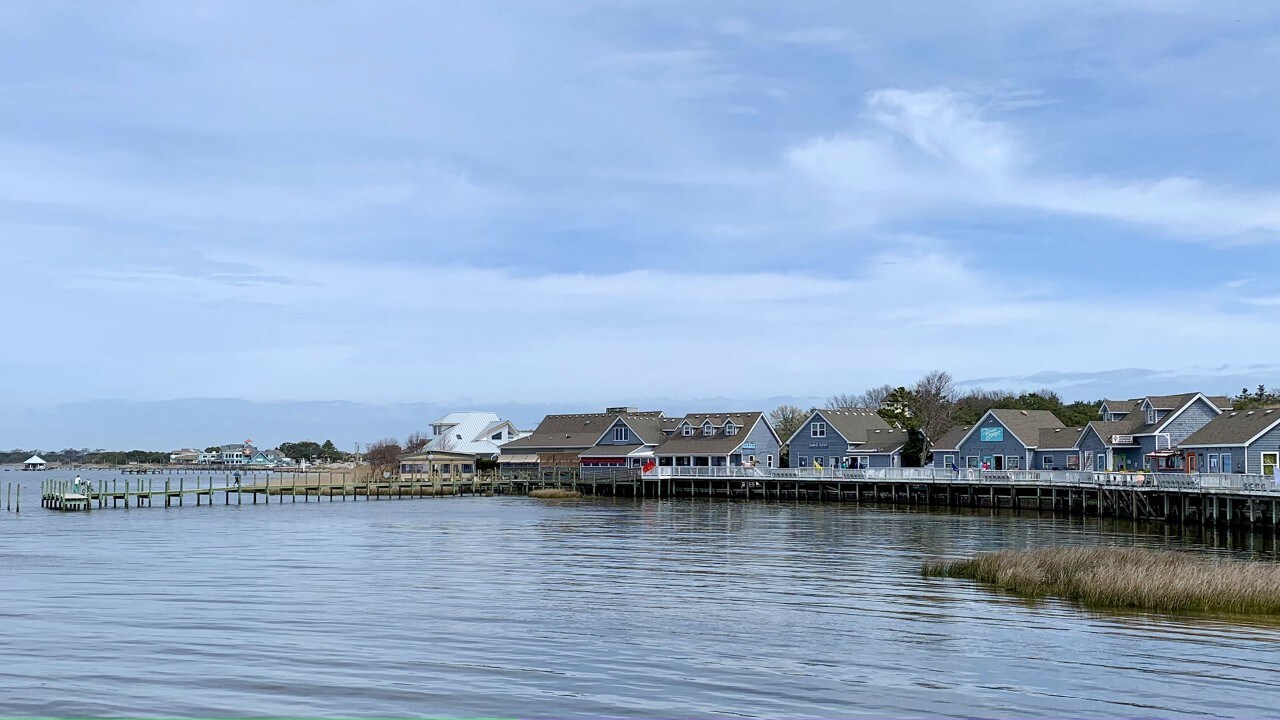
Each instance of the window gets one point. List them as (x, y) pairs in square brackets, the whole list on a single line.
[(862, 462), (804, 461), (1213, 463), (1269, 462), (948, 460), (496, 436), (686, 430), (972, 462), (818, 430), (620, 434), (1046, 462), (1073, 462), (467, 469), (1013, 462), (708, 429), (1226, 463), (768, 461), (730, 428), (1151, 416)]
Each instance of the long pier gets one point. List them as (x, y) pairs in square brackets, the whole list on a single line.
[(1218, 500)]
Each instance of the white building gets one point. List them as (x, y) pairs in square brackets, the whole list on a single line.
[(35, 462), (458, 441)]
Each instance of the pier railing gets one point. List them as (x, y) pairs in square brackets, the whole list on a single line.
[(1068, 478)]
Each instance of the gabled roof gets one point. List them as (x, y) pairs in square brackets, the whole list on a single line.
[(570, 432), (883, 442), (1120, 406), (1223, 402), (1140, 426), (852, 423), (950, 440), (646, 426), (1170, 402), (1025, 425), (1106, 429), (1063, 438), (35, 460), (1234, 428), (717, 443)]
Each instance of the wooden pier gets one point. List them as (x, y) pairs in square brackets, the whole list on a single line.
[(1207, 500)]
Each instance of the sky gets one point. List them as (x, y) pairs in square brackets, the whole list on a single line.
[(375, 210)]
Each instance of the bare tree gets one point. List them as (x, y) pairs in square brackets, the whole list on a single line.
[(874, 397), (933, 401), (384, 455), (787, 419), (415, 442), (843, 401)]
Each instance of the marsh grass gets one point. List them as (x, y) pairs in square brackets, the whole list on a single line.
[(1101, 577), (554, 494)]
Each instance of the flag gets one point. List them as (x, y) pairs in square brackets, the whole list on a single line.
[(648, 466), (817, 465)]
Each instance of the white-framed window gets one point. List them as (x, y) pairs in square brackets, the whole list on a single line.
[(708, 429), (948, 460), (971, 462), (1269, 462), (1213, 463), (730, 428), (1013, 462), (818, 430), (686, 430), (768, 461), (620, 434), (1151, 416), (862, 462), (496, 436), (1046, 462)]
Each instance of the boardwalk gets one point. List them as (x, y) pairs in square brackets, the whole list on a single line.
[(1246, 500)]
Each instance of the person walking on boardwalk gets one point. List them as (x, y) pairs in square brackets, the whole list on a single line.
[(237, 478)]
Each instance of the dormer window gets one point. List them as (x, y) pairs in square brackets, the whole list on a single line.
[(686, 430), (620, 434), (730, 428), (818, 430), (1151, 415), (708, 429)]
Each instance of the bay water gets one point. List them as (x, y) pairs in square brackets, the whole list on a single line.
[(508, 606)]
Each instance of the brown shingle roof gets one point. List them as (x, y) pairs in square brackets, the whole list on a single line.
[(1026, 424), (569, 432), (883, 441), (950, 440), (716, 444), (1063, 438), (1234, 427), (854, 424), (1106, 429)]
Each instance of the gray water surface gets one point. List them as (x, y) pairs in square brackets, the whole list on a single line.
[(517, 607)]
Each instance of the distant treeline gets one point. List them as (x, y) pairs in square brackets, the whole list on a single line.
[(97, 457)]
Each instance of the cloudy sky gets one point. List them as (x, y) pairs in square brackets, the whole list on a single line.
[(585, 203)]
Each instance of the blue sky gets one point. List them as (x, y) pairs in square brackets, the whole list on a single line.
[(588, 203)]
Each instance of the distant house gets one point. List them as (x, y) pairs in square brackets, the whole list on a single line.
[(236, 454), (187, 456), (720, 440), (1056, 449), (458, 442), (209, 458), (273, 458), (35, 462), (559, 440), (1237, 441), (835, 438), (883, 449)]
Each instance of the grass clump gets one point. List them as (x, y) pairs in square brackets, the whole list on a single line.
[(554, 494), (1102, 577)]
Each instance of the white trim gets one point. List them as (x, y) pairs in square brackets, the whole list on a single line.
[(978, 424), (1174, 414), (815, 427)]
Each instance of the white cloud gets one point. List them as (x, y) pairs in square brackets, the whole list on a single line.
[(937, 149)]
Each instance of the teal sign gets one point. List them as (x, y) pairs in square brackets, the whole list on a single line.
[(748, 445), (992, 434)]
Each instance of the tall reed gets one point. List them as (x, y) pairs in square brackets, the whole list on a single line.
[(1102, 577), (555, 494)]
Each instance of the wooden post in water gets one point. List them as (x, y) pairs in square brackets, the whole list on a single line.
[(17, 504), (293, 491), (181, 492)]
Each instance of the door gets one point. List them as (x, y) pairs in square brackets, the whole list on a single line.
[(1189, 461), (999, 463), (1213, 463), (1226, 463)]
